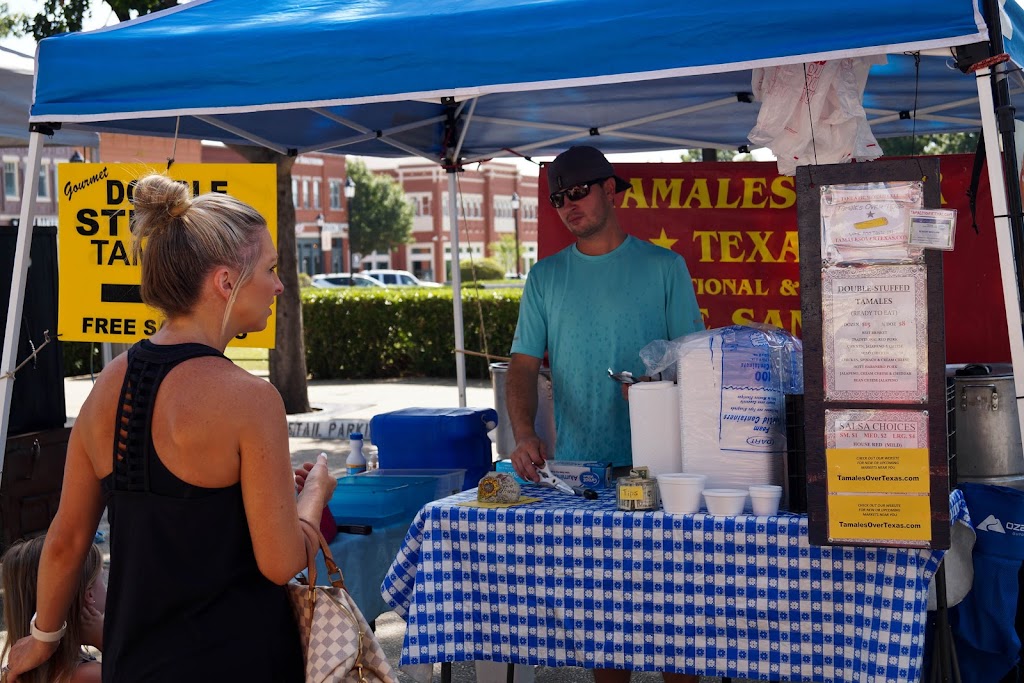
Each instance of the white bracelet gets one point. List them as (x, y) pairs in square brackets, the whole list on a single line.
[(44, 636)]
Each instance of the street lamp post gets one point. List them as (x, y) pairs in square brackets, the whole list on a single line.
[(515, 218), (325, 244), (350, 192)]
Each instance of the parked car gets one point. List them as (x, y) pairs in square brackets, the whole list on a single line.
[(398, 277), (328, 280)]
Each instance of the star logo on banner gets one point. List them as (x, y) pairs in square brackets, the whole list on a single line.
[(663, 241)]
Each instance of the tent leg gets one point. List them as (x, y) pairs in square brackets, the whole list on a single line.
[(1004, 239), (460, 342), (12, 333)]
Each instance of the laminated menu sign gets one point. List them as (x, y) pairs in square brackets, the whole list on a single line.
[(878, 476), (874, 329), (869, 222)]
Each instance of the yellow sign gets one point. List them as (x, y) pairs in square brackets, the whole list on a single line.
[(878, 470), (879, 518), (99, 293)]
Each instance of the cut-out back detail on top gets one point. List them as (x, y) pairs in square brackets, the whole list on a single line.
[(137, 467)]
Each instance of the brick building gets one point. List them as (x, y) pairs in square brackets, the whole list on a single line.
[(15, 163), (485, 214), (318, 192)]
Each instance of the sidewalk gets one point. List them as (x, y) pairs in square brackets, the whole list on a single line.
[(343, 406)]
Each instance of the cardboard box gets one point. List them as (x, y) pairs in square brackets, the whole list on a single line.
[(591, 475)]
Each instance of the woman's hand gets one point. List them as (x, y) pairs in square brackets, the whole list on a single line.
[(92, 626), (27, 654), (315, 475)]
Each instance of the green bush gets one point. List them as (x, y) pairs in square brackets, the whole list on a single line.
[(484, 269), (366, 333), (371, 332), (305, 280)]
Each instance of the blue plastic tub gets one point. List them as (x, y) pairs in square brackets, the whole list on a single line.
[(441, 438), (362, 499), (448, 481)]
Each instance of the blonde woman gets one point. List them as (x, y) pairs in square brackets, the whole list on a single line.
[(70, 663), (190, 455)]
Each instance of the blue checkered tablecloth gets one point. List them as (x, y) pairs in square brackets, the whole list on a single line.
[(567, 582)]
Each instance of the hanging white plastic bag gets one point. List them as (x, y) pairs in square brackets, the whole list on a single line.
[(831, 129)]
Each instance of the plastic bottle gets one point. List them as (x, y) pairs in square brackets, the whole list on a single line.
[(371, 458), (356, 461)]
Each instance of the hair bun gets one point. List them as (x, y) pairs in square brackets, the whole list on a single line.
[(179, 209), (159, 200)]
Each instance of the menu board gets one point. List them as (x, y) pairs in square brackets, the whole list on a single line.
[(875, 327), (874, 400)]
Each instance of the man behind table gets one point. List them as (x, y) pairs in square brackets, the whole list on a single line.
[(591, 306)]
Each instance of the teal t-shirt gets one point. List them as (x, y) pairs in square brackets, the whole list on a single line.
[(591, 313)]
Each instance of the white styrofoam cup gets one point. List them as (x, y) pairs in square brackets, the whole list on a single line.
[(764, 499), (680, 493)]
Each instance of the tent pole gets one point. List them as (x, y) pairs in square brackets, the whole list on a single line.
[(1004, 238), (1005, 129), (12, 333), (460, 343)]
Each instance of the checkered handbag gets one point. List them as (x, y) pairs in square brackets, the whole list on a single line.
[(337, 642)]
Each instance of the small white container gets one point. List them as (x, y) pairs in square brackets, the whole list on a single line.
[(680, 492), (725, 502), (764, 499)]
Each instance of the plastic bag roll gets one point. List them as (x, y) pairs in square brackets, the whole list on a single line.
[(654, 425)]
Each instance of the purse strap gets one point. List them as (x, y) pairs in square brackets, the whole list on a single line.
[(313, 538)]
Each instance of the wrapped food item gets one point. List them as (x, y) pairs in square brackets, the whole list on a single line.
[(498, 487)]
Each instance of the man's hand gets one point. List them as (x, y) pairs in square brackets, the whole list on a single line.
[(529, 455), (27, 654)]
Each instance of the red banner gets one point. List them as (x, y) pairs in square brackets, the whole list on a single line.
[(736, 226)]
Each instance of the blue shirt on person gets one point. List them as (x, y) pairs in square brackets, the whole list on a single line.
[(591, 313)]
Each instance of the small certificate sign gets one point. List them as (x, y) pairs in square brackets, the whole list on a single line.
[(874, 328), (933, 228)]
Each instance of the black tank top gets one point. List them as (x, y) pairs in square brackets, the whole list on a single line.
[(186, 600)]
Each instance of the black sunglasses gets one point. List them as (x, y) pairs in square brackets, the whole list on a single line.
[(574, 193)]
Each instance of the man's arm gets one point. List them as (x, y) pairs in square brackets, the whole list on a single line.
[(521, 400)]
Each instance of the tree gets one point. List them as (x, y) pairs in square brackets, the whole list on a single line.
[(379, 217), (720, 155), (504, 251), (10, 24), (288, 357), (63, 16), (943, 143)]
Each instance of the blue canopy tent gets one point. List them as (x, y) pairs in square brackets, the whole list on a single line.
[(456, 81)]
